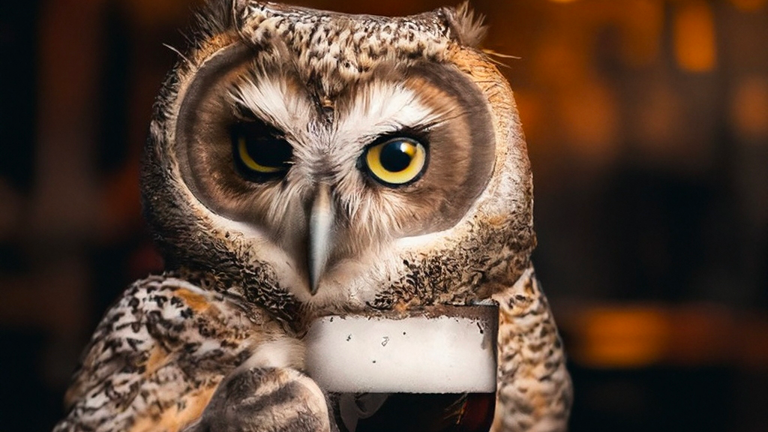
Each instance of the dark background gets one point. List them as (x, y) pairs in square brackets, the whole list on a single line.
[(647, 126)]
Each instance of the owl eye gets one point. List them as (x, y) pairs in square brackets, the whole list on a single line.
[(260, 151), (396, 161)]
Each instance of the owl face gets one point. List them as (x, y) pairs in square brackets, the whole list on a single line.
[(337, 162)]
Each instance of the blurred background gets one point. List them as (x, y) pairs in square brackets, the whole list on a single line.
[(647, 126)]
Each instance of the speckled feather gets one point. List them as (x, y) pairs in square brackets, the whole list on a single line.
[(534, 389), (159, 354), (222, 327)]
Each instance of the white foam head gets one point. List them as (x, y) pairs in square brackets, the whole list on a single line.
[(453, 351)]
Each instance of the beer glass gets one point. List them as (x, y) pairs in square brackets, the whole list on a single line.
[(426, 370)]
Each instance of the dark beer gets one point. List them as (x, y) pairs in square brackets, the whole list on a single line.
[(420, 412)]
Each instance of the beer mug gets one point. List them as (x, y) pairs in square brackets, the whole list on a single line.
[(429, 370)]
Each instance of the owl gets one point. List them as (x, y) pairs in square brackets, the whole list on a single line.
[(303, 163)]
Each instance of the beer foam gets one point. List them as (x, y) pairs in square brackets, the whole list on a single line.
[(417, 354)]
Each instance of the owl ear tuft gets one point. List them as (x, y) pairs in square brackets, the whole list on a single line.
[(467, 26)]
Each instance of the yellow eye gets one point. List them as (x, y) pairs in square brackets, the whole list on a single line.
[(396, 161), (259, 151)]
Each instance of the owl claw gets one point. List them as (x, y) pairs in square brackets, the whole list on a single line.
[(266, 399)]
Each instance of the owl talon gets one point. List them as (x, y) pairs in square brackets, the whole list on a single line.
[(266, 399)]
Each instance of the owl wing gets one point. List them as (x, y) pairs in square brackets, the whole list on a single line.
[(158, 356), (534, 388)]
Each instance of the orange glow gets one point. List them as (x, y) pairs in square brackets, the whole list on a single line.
[(749, 108), (749, 5), (622, 337), (636, 336), (642, 29), (694, 36), (589, 116)]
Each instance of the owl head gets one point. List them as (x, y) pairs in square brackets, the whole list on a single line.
[(315, 161)]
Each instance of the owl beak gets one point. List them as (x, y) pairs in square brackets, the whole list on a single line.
[(320, 228)]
